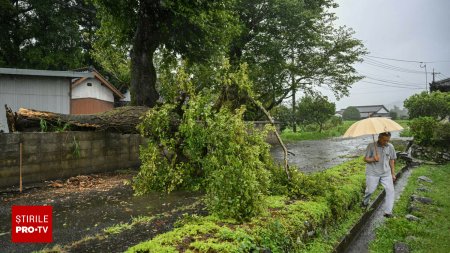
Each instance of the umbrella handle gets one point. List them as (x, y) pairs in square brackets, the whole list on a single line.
[(375, 146)]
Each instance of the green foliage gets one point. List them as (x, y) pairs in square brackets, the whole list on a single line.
[(48, 127), (75, 148), (333, 130), (43, 125), (351, 113), (430, 234), (48, 34), (294, 45), (315, 109), (196, 145), (117, 228), (335, 121), (283, 115), (194, 30), (406, 132), (428, 131), (422, 129), (284, 225), (434, 104), (442, 134)]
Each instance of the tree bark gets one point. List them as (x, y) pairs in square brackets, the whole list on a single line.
[(143, 72), (119, 120)]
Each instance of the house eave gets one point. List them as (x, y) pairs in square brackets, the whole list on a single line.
[(50, 73)]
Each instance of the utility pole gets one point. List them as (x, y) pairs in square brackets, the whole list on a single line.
[(434, 73), (426, 75)]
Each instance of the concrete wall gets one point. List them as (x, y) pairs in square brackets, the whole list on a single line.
[(48, 156)]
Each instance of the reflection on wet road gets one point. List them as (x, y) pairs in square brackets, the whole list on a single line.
[(318, 155)]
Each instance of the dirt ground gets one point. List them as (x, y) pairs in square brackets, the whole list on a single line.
[(85, 205)]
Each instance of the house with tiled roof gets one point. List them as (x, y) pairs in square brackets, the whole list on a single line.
[(93, 94), (367, 111)]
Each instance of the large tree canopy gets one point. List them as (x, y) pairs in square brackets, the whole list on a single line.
[(292, 45), (315, 109), (194, 29), (46, 34)]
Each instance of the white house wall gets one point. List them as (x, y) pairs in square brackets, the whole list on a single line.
[(382, 110), (35, 92), (96, 91)]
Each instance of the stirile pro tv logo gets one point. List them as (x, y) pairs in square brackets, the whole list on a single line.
[(31, 224)]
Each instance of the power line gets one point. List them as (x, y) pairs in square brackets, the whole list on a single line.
[(374, 92), (391, 67), (407, 84), (395, 86), (443, 76), (401, 60)]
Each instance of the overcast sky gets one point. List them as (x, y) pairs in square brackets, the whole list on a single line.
[(412, 30)]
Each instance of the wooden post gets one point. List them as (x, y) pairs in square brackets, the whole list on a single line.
[(20, 167)]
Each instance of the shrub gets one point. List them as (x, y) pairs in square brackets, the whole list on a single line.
[(351, 113), (423, 129), (434, 104), (197, 145), (441, 134)]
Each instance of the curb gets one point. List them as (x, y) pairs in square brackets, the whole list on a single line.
[(343, 244)]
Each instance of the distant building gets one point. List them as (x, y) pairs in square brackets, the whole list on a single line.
[(43, 90), (66, 92), (441, 85), (367, 111), (93, 94)]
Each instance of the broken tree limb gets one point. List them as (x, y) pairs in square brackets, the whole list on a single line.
[(119, 120), (286, 165), (10, 119)]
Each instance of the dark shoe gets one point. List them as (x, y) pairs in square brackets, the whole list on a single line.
[(388, 215)]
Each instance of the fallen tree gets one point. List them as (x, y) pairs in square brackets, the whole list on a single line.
[(119, 120)]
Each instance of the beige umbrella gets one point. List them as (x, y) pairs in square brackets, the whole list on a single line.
[(372, 126)]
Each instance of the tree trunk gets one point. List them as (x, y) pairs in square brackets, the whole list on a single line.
[(294, 124), (143, 72), (118, 120)]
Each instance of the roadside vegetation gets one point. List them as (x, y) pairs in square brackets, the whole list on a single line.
[(333, 128), (430, 233), (310, 132), (309, 213)]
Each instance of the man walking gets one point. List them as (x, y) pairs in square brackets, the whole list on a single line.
[(380, 158)]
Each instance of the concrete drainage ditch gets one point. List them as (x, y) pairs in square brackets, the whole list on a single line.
[(359, 236)]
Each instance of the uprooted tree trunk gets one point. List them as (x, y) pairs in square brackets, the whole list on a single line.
[(119, 120)]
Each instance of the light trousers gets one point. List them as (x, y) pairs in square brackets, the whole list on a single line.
[(388, 184)]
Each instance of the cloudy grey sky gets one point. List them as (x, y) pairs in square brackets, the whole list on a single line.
[(412, 30)]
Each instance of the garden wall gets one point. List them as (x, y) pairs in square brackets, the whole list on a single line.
[(60, 155), (47, 156)]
